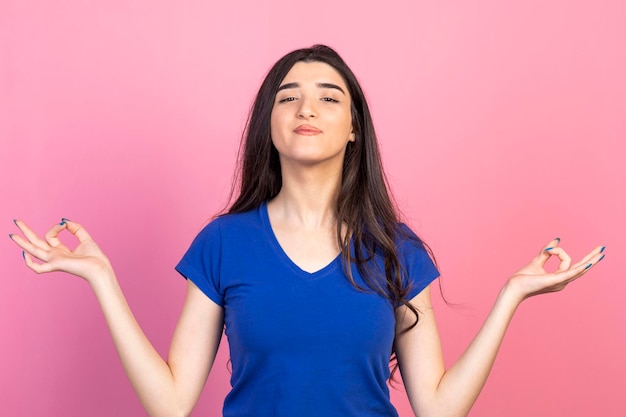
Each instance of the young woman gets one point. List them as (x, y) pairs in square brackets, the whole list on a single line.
[(314, 278)]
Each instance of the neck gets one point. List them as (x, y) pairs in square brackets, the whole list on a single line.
[(308, 196)]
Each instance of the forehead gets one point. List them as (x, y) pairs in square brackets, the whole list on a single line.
[(313, 72)]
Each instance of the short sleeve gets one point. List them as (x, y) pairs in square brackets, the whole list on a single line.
[(201, 262), (418, 266)]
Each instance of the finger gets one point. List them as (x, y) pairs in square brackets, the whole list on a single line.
[(35, 267), (77, 230), (28, 247), (565, 261), (52, 236), (588, 258), (580, 269), (29, 234), (544, 254)]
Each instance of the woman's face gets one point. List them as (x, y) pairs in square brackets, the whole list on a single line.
[(311, 120)]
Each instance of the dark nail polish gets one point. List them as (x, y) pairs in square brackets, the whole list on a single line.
[(601, 258), (11, 236), (548, 248), (23, 255), (15, 221), (603, 248), (62, 223), (558, 239), (64, 219), (588, 266)]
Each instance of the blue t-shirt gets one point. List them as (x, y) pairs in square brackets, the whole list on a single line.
[(301, 344)]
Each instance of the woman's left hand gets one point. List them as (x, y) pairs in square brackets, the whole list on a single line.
[(533, 279)]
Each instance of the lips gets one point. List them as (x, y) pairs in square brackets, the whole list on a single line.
[(307, 130)]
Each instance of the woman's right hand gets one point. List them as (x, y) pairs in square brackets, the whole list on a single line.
[(164, 388), (86, 260)]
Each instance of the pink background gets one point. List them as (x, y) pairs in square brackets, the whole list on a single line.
[(502, 126)]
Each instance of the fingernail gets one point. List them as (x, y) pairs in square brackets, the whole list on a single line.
[(23, 255), (64, 219), (11, 236), (601, 258), (548, 248), (602, 250), (62, 223), (558, 239), (15, 221), (588, 266)]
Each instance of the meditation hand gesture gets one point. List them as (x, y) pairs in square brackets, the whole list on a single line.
[(533, 279), (85, 261)]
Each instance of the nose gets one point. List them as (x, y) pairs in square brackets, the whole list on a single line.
[(307, 109)]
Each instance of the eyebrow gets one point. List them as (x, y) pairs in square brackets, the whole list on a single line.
[(319, 85)]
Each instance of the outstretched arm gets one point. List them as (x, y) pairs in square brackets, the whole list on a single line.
[(164, 388), (432, 390)]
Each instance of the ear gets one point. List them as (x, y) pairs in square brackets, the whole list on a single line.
[(352, 137)]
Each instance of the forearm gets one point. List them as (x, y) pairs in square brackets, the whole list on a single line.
[(148, 373), (461, 384), (435, 392), (164, 388)]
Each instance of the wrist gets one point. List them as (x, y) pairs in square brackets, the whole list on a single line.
[(102, 277), (511, 294)]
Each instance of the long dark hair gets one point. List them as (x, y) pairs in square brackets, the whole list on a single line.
[(365, 210)]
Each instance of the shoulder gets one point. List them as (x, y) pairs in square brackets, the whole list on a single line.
[(407, 240), (229, 223), (412, 249), (222, 239), (416, 258)]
